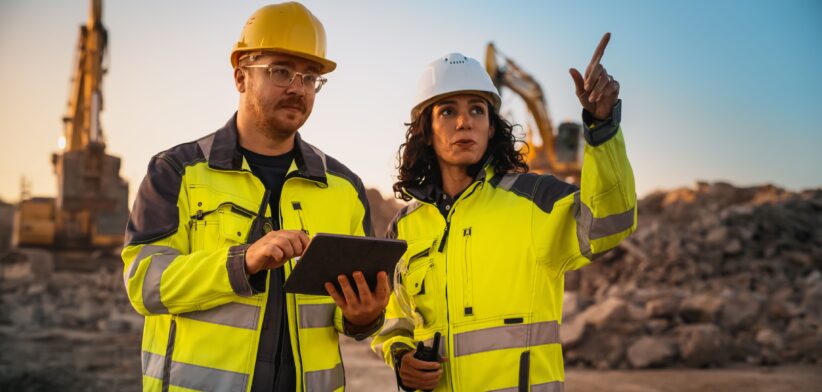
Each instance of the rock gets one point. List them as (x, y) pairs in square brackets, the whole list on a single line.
[(657, 326), (650, 352), (570, 304), (700, 344), (812, 301), (740, 311), (570, 333), (733, 247), (700, 308), (662, 307), (601, 350), (769, 338), (611, 311)]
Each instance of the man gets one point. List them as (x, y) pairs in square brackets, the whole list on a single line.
[(218, 222)]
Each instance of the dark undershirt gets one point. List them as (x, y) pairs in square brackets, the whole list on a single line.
[(274, 370)]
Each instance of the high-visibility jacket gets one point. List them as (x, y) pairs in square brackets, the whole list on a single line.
[(184, 264), (489, 276)]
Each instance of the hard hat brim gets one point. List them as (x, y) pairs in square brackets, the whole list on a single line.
[(326, 65), (492, 99)]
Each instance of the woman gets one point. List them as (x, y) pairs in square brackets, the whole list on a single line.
[(488, 243)]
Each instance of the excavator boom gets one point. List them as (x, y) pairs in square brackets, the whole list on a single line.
[(558, 152)]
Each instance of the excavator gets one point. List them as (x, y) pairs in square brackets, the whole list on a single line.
[(91, 207), (559, 152)]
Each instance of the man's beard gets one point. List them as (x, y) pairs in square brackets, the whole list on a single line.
[(267, 121)]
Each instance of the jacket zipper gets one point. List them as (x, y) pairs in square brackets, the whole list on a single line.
[(468, 292)]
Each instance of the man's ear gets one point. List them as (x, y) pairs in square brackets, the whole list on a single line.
[(239, 79)]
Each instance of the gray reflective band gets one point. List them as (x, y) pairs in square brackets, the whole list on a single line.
[(396, 325), (146, 251), (325, 380), (508, 181), (510, 336), (610, 225), (232, 314), (553, 386), (316, 315), (152, 364), (584, 217), (203, 378), (151, 283)]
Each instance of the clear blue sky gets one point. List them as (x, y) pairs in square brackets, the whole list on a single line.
[(712, 90)]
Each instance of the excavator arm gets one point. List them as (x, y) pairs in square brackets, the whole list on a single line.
[(558, 153)]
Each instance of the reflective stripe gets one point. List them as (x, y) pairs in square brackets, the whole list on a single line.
[(232, 314), (152, 364), (204, 378), (553, 386), (396, 325), (146, 251), (316, 315), (325, 380), (507, 181), (151, 283), (510, 336), (584, 218), (613, 224)]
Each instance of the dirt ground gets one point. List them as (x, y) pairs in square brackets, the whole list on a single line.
[(367, 373), (64, 360)]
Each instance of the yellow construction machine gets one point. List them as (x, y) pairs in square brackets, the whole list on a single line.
[(91, 207), (559, 153)]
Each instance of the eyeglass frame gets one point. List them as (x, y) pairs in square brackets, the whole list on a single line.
[(321, 81)]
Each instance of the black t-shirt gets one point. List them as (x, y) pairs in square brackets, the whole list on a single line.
[(274, 370)]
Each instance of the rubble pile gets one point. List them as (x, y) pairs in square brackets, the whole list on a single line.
[(713, 275), (66, 323)]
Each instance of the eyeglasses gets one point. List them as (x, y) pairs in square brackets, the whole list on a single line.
[(283, 76)]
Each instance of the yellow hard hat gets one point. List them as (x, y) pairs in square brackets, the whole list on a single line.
[(289, 28)]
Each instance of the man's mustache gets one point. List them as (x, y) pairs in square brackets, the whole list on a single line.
[(295, 102)]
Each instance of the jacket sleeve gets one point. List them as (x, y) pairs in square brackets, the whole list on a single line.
[(397, 332), (584, 223), (161, 275)]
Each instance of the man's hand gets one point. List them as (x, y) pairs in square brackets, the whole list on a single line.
[(597, 92), (274, 249), (422, 375), (363, 307)]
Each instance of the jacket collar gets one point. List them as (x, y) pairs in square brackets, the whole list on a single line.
[(430, 190), (221, 150)]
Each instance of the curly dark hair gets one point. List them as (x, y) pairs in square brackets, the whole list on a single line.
[(417, 161)]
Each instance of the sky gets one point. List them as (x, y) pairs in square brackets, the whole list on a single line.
[(712, 90)]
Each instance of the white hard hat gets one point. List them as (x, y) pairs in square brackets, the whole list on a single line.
[(451, 74)]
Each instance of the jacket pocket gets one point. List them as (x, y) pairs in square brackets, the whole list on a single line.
[(420, 284), (226, 225)]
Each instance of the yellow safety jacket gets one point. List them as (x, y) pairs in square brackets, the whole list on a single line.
[(184, 264), (489, 276)]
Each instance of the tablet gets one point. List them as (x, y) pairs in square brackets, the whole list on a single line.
[(330, 255)]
